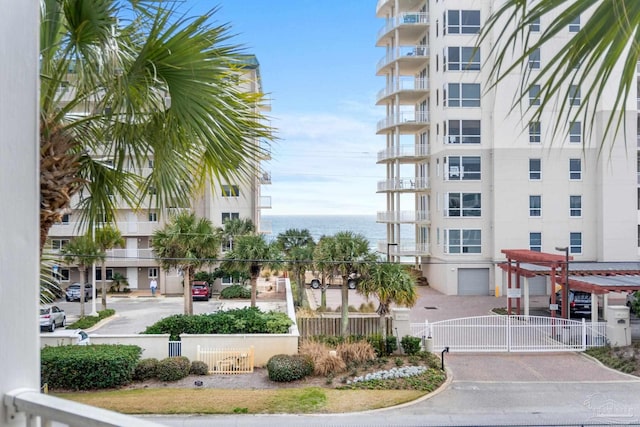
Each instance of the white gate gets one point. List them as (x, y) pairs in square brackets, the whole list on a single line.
[(511, 334)]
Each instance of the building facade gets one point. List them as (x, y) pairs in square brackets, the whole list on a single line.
[(468, 174)]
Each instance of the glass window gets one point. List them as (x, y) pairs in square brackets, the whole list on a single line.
[(463, 241), (464, 132), (575, 205), (464, 95), (534, 26), (535, 241), (574, 26), (463, 21), (575, 240), (463, 59), (153, 273), (574, 95), (535, 205), (230, 215), (109, 274), (575, 132), (230, 191), (464, 204), (57, 244), (153, 217), (61, 274), (464, 168), (575, 169), (534, 133), (534, 95), (534, 59), (535, 169)]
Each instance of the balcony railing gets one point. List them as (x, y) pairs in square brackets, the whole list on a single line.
[(404, 184), (404, 118), (265, 178), (266, 227), (130, 254), (142, 228), (48, 409), (404, 248), (407, 150), (418, 51), (403, 216), (264, 202), (405, 18), (403, 84)]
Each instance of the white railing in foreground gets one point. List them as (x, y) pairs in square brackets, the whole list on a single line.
[(31, 405)]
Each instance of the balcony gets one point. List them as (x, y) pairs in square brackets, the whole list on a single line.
[(411, 59), (264, 202), (412, 25), (265, 179), (265, 149), (404, 249), (408, 151), (410, 121), (403, 217), (405, 185), (409, 89), (143, 228), (266, 227), (130, 257)]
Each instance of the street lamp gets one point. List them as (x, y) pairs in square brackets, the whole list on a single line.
[(565, 288), (389, 245)]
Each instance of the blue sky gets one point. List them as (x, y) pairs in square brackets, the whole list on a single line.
[(317, 61)]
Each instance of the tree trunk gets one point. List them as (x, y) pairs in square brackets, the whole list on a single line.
[(345, 307), (83, 275), (383, 310), (103, 291), (300, 287), (323, 293), (188, 299), (254, 290)]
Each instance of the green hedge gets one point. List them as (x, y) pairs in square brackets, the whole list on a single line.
[(88, 367), (248, 320), (285, 368), (88, 321), (173, 368), (235, 292)]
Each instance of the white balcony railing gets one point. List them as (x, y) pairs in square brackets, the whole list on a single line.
[(126, 228), (408, 150), (266, 227), (405, 18), (417, 51), (264, 202), (403, 216), (403, 248), (265, 178), (401, 184), (404, 118), (404, 84), (130, 254)]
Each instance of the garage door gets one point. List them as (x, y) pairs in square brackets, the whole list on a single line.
[(473, 281), (538, 285)]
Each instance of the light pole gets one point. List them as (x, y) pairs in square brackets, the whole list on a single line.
[(565, 287), (389, 245)]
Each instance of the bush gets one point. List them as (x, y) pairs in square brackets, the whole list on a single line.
[(383, 347), (356, 352), (235, 292), (410, 345), (88, 367), (89, 321), (432, 360), (199, 367), (145, 369), (173, 368), (285, 368)]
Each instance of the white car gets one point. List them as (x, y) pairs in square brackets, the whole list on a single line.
[(51, 316)]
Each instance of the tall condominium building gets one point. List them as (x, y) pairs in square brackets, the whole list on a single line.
[(219, 201), (467, 175)]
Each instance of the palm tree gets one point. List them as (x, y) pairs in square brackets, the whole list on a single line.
[(186, 243), (606, 40), (123, 82), (389, 283), (235, 227), (83, 252), (349, 253), (106, 237), (250, 253), (297, 246), (323, 265)]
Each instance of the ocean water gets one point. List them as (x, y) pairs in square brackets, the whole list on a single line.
[(328, 225)]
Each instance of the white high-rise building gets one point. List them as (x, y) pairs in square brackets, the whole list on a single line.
[(467, 175)]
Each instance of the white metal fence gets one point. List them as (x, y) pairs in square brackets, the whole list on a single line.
[(511, 334), (227, 360)]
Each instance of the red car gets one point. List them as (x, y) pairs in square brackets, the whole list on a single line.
[(200, 291)]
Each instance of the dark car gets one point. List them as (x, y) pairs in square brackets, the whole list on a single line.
[(73, 292), (579, 302), (200, 291)]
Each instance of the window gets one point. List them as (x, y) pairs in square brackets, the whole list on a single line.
[(153, 217), (463, 59), (535, 241), (574, 26), (463, 241), (463, 21), (534, 95), (57, 244), (150, 163), (575, 169), (227, 280), (574, 95), (535, 169), (575, 132), (463, 204), (464, 95), (535, 205), (64, 220), (153, 273), (109, 272), (229, 215), (464, 132), (534, 26), (230, 191), (534, 59), (575, 243), (534, 133), (575, 205), (61, 274), (463, 168)]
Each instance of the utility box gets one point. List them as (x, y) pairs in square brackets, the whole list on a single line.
[(618, 326)]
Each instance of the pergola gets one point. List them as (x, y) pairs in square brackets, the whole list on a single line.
[(597, 278)]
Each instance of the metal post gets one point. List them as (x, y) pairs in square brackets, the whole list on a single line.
[(388, 245), (565, 287)]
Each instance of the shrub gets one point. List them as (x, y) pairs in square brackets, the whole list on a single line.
[(410, 344), (145, 369), (432, 360), (76, 367), (358, 352), (235, 292), (368, 307), (199, 367), (383, 347), (89, 321), (173, 368), (285, 368), (323, 362)]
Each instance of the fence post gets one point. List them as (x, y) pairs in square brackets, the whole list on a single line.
[(508, 329), (584, 334)]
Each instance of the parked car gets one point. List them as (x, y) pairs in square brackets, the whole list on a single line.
[(579, 302), (73, 292), (200, 291), (336, 281), (51, 316), (632, 298)]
